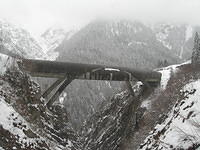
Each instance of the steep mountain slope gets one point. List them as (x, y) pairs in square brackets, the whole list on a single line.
[(180, 130), (107, 128), (171, 108), (177, 38), (52, 38), (20, 41), (25, 123), (115, 42), (122, 124)]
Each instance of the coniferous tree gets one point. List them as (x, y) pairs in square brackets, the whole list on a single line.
[(162, 63), (196, 50)]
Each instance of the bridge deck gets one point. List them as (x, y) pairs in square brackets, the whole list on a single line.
[(54, 69)]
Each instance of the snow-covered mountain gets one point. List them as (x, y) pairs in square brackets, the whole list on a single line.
[(52, 38), (165, 117), (24, 121), (19, 41), (177, 38), (123, 42)]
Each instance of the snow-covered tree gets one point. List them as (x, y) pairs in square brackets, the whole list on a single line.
[(196, 50)]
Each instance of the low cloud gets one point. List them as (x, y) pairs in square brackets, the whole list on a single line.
[(38, 15)]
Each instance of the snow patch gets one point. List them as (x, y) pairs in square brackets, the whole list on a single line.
[(111, 69), (181, 53), (166, 73), (3, 62), (146, 104), (9, 117), (1, 148), (137, 43), (69, 144), (62, 98), (163, 34), (188, 33)]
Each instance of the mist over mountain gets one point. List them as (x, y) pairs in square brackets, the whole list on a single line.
[(115, 42), (101, 115), (119, 43)]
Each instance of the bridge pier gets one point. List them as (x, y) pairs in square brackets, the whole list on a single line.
[(52, 87), (66, 82)]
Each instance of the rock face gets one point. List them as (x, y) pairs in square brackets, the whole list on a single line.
[(25, 122), (110, 127), (170, 108)]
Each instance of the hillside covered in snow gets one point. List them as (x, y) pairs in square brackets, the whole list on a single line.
[(19, 41), (126, 123), (25, 123), (101, 115), (180, 129)]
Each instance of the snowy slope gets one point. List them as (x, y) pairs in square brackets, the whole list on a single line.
[(176, 38), (25, 123), (20, 41), (171, 110), (181, 128), (52, 38), (15, 124)]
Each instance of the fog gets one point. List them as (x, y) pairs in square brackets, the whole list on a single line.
[(38, 15)]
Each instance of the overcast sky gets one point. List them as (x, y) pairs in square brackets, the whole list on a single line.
[(38, 15)]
